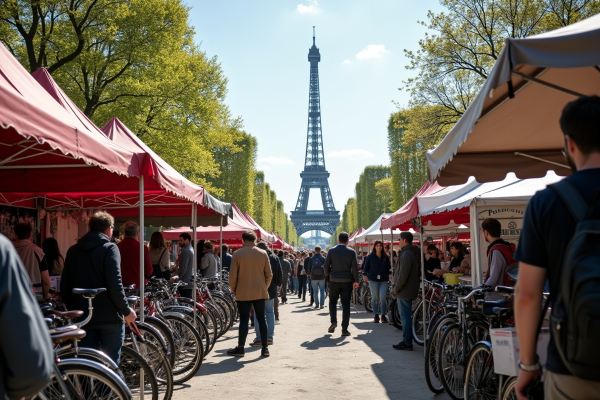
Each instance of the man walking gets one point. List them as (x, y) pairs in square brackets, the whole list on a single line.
[(249, 278), (94, 262), (548, 228), (302, 276), (129, 248), (270, 316), (186, 265), (341, 268), (286, 269), (317, 277), (406, 286)]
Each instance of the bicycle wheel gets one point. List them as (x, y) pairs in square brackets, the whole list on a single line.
[(159, 363), (166, 334), (481, 383), (366, 300), (131, 364), (224, 311), (189, 349), (197, 321), (85, 379), (211, 326), (230, 308), (508, 392), (431, 361), (451, 361), (417, 324), (217, 317), (395, 311)]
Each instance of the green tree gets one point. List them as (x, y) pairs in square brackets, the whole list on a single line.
[(366, 194), (384, 195), (453, 62)]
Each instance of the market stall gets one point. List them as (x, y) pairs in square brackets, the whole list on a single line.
[(512, 124)]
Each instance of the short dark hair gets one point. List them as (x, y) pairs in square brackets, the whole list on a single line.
[(580, 120), (263, 245), (249, 236), (225, 248), (317, 248), (131, 229), (208, 245), (406, 236), (459, 246), (343, 237), (493, 226), (100, 221), (186, 236), (280, 254), (23, 231)]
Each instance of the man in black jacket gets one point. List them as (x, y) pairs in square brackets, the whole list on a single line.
[(302, 276), (95, 262), (286, 269), (341, 268), (269, 304)]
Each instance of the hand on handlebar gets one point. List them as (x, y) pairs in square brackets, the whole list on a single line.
[(130, 319)]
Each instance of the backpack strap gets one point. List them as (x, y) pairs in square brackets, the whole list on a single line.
[(571, 198)]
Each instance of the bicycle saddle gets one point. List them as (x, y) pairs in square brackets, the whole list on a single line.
[(494, 307), (69, 335), (88, 292), (132, 300), (67, 314)]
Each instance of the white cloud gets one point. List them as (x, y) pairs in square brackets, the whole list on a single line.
[(311, 8), (265, 163), (372, 51), (347, 62), (351, 154)]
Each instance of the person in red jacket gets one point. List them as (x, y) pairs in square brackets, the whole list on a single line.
[(129, 248)]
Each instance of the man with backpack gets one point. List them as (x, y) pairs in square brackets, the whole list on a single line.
[(560, 242), (500, 256), (317, 277)]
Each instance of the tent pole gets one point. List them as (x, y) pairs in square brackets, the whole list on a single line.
[(423, 285), (221, 244), (391, 254), (195, 267), (141, 272)]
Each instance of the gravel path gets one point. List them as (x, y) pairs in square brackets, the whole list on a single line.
[(307, 362)]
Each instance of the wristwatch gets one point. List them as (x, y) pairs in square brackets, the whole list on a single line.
[(530, 368)]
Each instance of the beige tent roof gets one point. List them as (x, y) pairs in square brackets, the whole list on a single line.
[(499, 134)]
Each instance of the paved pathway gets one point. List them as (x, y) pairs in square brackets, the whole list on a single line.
[(307, 362)]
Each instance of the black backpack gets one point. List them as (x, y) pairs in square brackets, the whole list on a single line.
[(316, 265), (575, 317)]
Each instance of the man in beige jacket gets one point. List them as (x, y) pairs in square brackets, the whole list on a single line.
[(249, 278)]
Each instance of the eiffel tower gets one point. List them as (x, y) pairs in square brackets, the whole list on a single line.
[(315, 175)]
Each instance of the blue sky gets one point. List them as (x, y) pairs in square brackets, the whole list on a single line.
[(263, 46)]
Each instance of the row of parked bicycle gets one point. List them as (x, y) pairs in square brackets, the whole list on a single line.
[(167, 348), (458, 354)]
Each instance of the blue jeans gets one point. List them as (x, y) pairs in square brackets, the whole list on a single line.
[(270, 318), (378, 293), (406, 317), (318, 285), (107, 338), (293, 284)]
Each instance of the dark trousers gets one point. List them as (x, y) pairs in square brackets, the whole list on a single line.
[(107, 338), (302, 286), (284, 287), (310, 290), (259, 312), (337, 290), (185, 292)]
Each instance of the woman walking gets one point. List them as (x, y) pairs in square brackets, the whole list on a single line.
[(376, 271), (159, 256), (55, 260)]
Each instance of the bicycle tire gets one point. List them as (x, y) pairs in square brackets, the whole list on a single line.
[(366, 300), (98, 380), (217, 317), (160, 365), (431, 365), (197, 321), (417, 324), (187, 340), (395, 313), (480, 380), (230, 308), (130, 364), (166, 333), (451, 361), (223, 310), (508, 391)]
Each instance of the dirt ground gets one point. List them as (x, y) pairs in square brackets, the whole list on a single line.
[(307, 362)]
